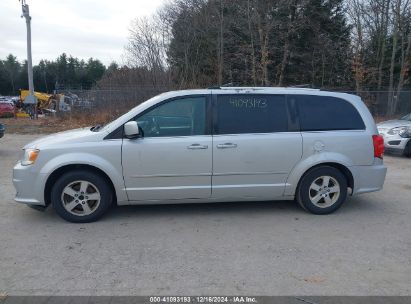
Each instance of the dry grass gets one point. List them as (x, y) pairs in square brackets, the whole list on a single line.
[(81, 120), (56, 124)]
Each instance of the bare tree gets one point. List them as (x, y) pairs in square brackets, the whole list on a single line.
[(147, 47), (252, 47), (355, 10), (291, 24), (265, 24), (221, 44), (400, 20)]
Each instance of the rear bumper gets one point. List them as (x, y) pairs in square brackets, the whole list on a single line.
[(369, 178), (29, 185)]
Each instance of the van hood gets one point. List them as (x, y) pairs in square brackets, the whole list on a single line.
[(66, 137)]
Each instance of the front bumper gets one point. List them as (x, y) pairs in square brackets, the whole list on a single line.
[(395, 143), (29, 185)]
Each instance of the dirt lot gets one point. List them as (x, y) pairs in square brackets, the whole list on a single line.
[(270, 248)]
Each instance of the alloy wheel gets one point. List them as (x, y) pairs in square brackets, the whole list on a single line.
[(81, 198), (324, 191)]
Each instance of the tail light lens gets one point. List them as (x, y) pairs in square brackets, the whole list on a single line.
[(378, 142)]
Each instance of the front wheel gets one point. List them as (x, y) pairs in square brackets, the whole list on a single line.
[(407, 150), (81, 196), (322, 190)]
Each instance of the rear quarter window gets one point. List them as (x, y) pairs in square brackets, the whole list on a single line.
[(326, 113)]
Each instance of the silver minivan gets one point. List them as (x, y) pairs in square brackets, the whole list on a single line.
[(211, 145)]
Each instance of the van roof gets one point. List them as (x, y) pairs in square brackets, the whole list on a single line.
[(262, 90)]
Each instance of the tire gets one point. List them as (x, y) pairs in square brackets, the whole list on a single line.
[(81, 196), (316, 195), (407, 150)]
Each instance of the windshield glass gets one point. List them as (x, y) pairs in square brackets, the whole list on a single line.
[(406, 117), (107, 126)]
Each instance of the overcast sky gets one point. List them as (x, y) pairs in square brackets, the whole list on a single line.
[(81, 28)]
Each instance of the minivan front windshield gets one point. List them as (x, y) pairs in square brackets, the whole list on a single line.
[(406, 117)]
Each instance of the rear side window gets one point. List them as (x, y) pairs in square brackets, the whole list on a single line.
[(251, 113), (322, 113)]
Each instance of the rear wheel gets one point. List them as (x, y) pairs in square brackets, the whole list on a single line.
[(81, 196), (322, 190)]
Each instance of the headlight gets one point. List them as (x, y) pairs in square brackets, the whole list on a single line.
[(30, 156), (406, 132), (402, 131)]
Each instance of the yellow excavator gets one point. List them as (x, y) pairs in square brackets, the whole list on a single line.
[(44, 101)]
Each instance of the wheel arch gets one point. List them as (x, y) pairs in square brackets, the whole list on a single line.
[(332, 159), (342, 168), (73, 167), (407, 149)]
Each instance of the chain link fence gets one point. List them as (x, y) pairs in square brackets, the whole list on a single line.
[(122, 98), (377, 101), (113, 99)]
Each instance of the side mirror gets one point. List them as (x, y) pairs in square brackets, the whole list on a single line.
[(131, 130)]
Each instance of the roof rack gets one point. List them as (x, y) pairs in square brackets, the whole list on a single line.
[(216, 87), (261, 88), (302, 86)]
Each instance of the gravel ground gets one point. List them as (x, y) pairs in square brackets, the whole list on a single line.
[(261, 248)]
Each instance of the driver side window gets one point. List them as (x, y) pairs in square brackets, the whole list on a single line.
[(178, 117)]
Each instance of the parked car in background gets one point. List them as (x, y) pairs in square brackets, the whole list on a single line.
[(6, 107), (15, 100), (2, 130), (214, 145), (397, 135)]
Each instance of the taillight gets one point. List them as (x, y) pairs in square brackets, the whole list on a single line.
[(378, 142)]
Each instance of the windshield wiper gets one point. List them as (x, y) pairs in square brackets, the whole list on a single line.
[(96, 128)]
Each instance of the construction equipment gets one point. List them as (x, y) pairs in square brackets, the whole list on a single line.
[(47, 102)]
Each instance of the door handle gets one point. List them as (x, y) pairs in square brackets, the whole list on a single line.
[(226, 146), (197, 147)]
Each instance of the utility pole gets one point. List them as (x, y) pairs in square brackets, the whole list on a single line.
[(30, 99)]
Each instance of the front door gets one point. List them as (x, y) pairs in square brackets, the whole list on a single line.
[(173, 159), (254, 148)]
